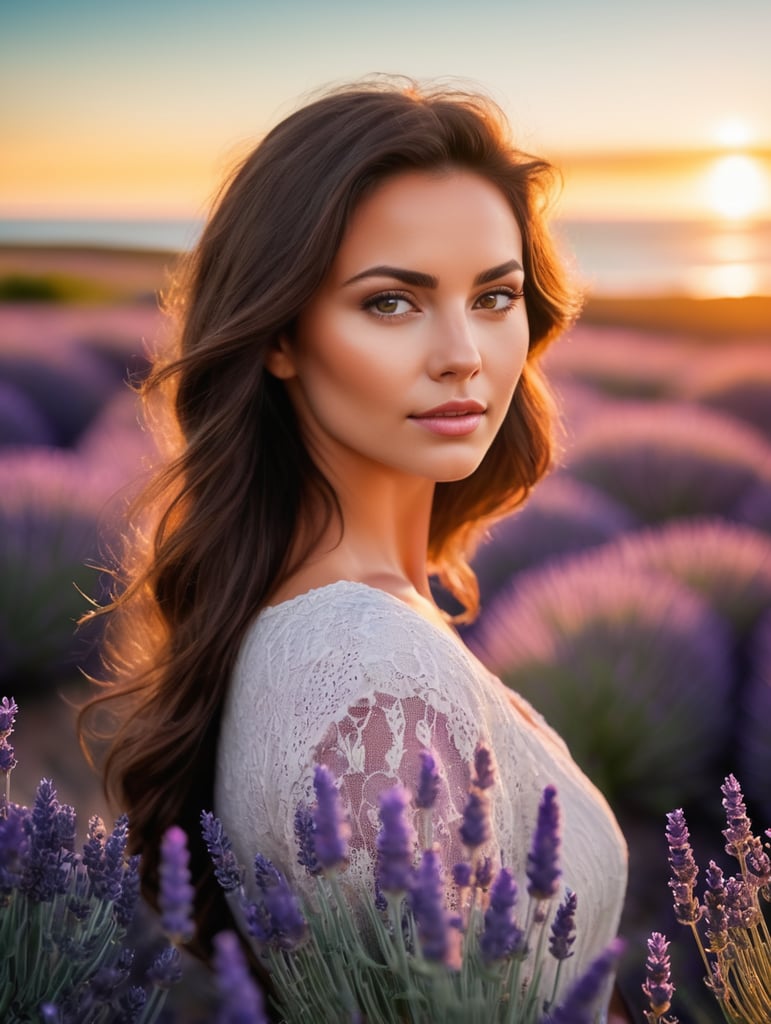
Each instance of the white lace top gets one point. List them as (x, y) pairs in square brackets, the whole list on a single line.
[(350, 676)]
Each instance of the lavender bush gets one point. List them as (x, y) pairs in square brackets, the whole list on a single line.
[(728, 564), (66, 919), (49, 511), (68, 393), (562, 516), (403, 956), (668, 461), (21, 422), (728, 923), (64, 915), (619, 661)]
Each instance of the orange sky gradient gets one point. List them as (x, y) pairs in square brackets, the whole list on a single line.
[(138, 109)]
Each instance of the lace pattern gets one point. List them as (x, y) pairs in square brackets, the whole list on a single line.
[(351, 677)]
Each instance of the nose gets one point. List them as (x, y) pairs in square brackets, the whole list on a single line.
[(455, 351)]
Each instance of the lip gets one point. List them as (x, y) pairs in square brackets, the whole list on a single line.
[(455, 407), (452, 419)]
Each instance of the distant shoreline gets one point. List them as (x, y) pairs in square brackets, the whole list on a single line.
[(129, 275)]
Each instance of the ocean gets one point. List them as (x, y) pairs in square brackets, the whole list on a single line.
[(613, 258)]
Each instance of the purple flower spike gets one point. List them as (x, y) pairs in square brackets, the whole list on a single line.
[(175, 897), (563, 929), (684, 869), (332, 830), (543, 870), (395, 842), (475, 829), (306, 845), (277, 918), (8, 712), (227, 870), (113, 861), (580, 1006), (7, 756), (126, 904), (714, 900), (426, 899), (484, 768), (240, 1000), (44, 871), (14, 843), (428, 781), (166, 970), (501, 937), (739, 831), (658, 987), (461, 874)]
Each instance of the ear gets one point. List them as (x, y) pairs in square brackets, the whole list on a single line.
[(279, 359)]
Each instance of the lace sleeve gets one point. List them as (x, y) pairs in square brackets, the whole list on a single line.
[(376, 744)]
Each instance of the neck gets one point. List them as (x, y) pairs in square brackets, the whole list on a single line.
[(383, 540)]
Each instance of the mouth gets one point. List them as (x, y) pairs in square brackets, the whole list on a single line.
[(457, 407), (452, 419)]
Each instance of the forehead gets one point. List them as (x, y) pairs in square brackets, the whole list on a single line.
[(428, 216)]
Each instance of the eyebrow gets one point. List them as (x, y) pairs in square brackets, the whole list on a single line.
[(420, 280)]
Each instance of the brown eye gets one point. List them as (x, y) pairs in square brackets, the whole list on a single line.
[(388, 305), (489, 301)]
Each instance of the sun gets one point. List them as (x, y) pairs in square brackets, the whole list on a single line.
[(736, 187)]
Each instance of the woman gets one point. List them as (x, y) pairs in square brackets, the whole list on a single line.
[(357, 396)]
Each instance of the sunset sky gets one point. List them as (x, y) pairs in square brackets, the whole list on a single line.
[(137, 109)]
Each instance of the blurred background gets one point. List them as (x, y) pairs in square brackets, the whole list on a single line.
[(630, 599)]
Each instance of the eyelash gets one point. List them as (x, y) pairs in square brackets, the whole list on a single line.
[(370, 303)]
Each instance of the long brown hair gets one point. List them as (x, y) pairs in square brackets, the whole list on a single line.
[(215, 528)]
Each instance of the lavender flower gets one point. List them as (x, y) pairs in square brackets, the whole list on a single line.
[(739, 830), (501, 937), (658, 987), (484, 768), (7, 756), (543, 870), (714, 899), (426, 899), (42, 877), (131, 1005), (8, 711), (428, 781), (226, 868), (13, 848), (461, 874), (580, 1005), (684, 869), (394, 842), (740, 906), (276, 918), (105, 857), (241, 1000), (113, 862), (166, 969), (332, 831), (563, 929), (306, 848), (126, 904), (475, 829), (175, 897)]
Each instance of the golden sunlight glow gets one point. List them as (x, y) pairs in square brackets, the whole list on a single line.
[(732, 133), (736, 187)]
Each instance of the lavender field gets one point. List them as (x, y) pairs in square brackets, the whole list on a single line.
[(629, 600)]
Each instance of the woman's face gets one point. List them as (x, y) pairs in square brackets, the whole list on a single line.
[(406, 359)]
